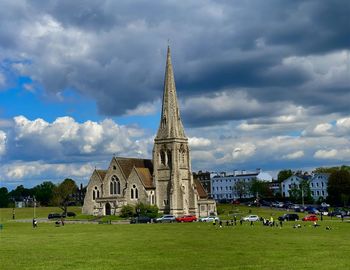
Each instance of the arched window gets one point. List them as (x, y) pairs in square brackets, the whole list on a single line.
[(169, 158), (134, 193), (94, 192), (98, 194), (162, 157), (114, 185)]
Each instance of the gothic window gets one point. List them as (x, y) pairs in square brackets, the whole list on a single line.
[(182, 155), (98, 194), (94, 192), (134, 193), (169, 158), (114, 185), (162, 157)]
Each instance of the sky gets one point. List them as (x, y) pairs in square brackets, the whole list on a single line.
[(261, 84)]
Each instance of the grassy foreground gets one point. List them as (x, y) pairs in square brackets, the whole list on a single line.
[(174, 246)]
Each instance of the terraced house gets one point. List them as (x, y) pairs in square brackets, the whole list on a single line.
[(165, 181)]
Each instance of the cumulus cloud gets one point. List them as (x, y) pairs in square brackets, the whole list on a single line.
[(243, 151), (40, 140), (19, 171), (196, 142), (326, 154), (294, 155), (2, 143)]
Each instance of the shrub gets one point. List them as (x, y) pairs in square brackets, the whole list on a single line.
[(147, 210), (127, 211)]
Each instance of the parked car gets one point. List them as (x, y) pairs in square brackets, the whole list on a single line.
[(251, 218), (187, 218), (311, 217), (289, 217), (324, 204), (311, 210), (54, 215), (209, 219), (166, 218), (69, 214), (140, 219)]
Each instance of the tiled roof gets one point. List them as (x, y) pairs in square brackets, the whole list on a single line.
[(201, 192), (126, 164), (146, 177), (101, 173)]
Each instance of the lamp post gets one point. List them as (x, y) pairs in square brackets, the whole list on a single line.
[(34, 205), (138, 210)]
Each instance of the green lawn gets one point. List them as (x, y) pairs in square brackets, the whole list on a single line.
[(174, 246)]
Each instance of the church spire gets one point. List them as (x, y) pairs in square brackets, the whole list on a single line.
[(170, 122)]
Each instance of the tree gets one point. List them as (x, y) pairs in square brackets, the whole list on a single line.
[(4, 197), (241, 188), (44, 192), (301, 193), (283, 175), (260, 188), (62, 194), (339, 187)]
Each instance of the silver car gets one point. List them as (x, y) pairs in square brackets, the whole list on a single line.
[(166, 218), (209, 219)]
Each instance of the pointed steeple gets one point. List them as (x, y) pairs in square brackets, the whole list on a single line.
[(170, 121)]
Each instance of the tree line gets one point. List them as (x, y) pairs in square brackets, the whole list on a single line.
[(45, 194)]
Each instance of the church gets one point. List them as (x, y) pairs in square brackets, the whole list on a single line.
[(165, 181)]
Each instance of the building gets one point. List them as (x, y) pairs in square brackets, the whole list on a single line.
[(233, 186), (165, 181), (291, 182), (204, 179), (318, 185)]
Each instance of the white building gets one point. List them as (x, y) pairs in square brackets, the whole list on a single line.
[(291, 182), (318, 185), (223, 183)]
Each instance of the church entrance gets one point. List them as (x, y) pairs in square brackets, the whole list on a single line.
[(108, 209)]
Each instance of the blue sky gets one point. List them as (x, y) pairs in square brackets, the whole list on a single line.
[(261, 84)]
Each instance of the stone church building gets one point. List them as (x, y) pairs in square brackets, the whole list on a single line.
[(165, 181)]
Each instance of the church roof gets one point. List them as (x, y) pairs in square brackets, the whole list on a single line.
[(200, 190), (126, 164), (101, 173), (170, 121), (146, 177)]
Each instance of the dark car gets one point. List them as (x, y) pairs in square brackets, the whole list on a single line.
[(289, 217), (140, 219), (69, 214), (54, 215)]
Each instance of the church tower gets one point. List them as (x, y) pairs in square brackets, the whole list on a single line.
[(175, 189)]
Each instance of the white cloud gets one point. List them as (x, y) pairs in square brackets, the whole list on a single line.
[(294, 155), (148, 108), (2, 142), (38, 139), (326, 154), (198, 142), (343, 123), (20, 171), (243, 151)]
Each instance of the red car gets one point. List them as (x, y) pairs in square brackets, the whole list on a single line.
[(310, 218), (188, 218)]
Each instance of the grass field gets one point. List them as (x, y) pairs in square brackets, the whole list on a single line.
[(173, 246)]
